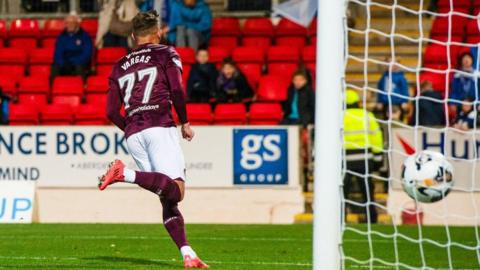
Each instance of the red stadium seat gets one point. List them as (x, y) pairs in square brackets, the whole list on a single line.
[(110, 55), (40, 70), (252, 72), (13, 56), (228, 43), (35, 100), (67, 86), (187, 55), (34, 85), (56, 114), (248, 55), (258, 27), (457, 5), (273, 88), (49, 42), (313, 41), (230, 114), (265, 114), (52, 28), (8, 85), (440, 28), (436, 54), (33, 90), (12, 71), (288, 28), (104, 69), (476, 7), (72, 101), (3, 29), (282, 69), (98, 99), (259, 42), (97, 84), (21, 115), (27, 44), (473, 31), (90, 26), (24, 28), (226, 27), (41, 56), (298, 42), (438, 80), (217, 54), (309, 54), (199, 114), (90, 114), (283, 54)]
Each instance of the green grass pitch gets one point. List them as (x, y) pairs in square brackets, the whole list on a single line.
[(118, 246)]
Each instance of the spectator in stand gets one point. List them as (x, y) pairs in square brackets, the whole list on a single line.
[(115, 23), (4, 100), (201, 81), (73, 49), (299, 109), (394, 91), (430, 107), (467, 116), (232, 86), (464, 85), (189, 23)]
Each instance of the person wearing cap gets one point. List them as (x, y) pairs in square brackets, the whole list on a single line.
[(363, 143)]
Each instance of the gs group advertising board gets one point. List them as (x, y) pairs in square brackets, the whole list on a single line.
[(260, 156), (462, 149), (219, 156)]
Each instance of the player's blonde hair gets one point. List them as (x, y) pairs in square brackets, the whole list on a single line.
[(145, 23)]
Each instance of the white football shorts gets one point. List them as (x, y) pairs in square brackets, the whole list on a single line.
[(157, 149)]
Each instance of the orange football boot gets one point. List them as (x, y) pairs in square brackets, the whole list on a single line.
[(114, 174)]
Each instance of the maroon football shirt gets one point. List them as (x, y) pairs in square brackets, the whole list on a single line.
[(147, 81)]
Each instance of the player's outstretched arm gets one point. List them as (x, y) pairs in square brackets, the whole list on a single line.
[(174, 75)]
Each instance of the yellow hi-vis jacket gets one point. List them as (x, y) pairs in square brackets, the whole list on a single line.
[(359, 135)]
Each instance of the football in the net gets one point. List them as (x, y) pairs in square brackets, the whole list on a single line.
[(427, 176)]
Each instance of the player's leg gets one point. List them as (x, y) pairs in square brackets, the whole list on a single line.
[(167, 158)]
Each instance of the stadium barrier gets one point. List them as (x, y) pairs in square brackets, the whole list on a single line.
[(234, 175), (462, 150)]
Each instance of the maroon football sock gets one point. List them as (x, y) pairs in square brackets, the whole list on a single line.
[(173, 222), (155, 182)]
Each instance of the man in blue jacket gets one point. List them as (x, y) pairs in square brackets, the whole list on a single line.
[(393, 88), (73, 49), (189, 23)]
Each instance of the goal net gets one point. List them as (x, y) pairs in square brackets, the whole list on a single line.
[(414, 66)]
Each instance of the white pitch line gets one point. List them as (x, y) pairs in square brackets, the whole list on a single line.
[(118, 237), (43, 258)]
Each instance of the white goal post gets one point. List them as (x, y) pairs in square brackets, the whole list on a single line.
[(434, 46), (330, 70)]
